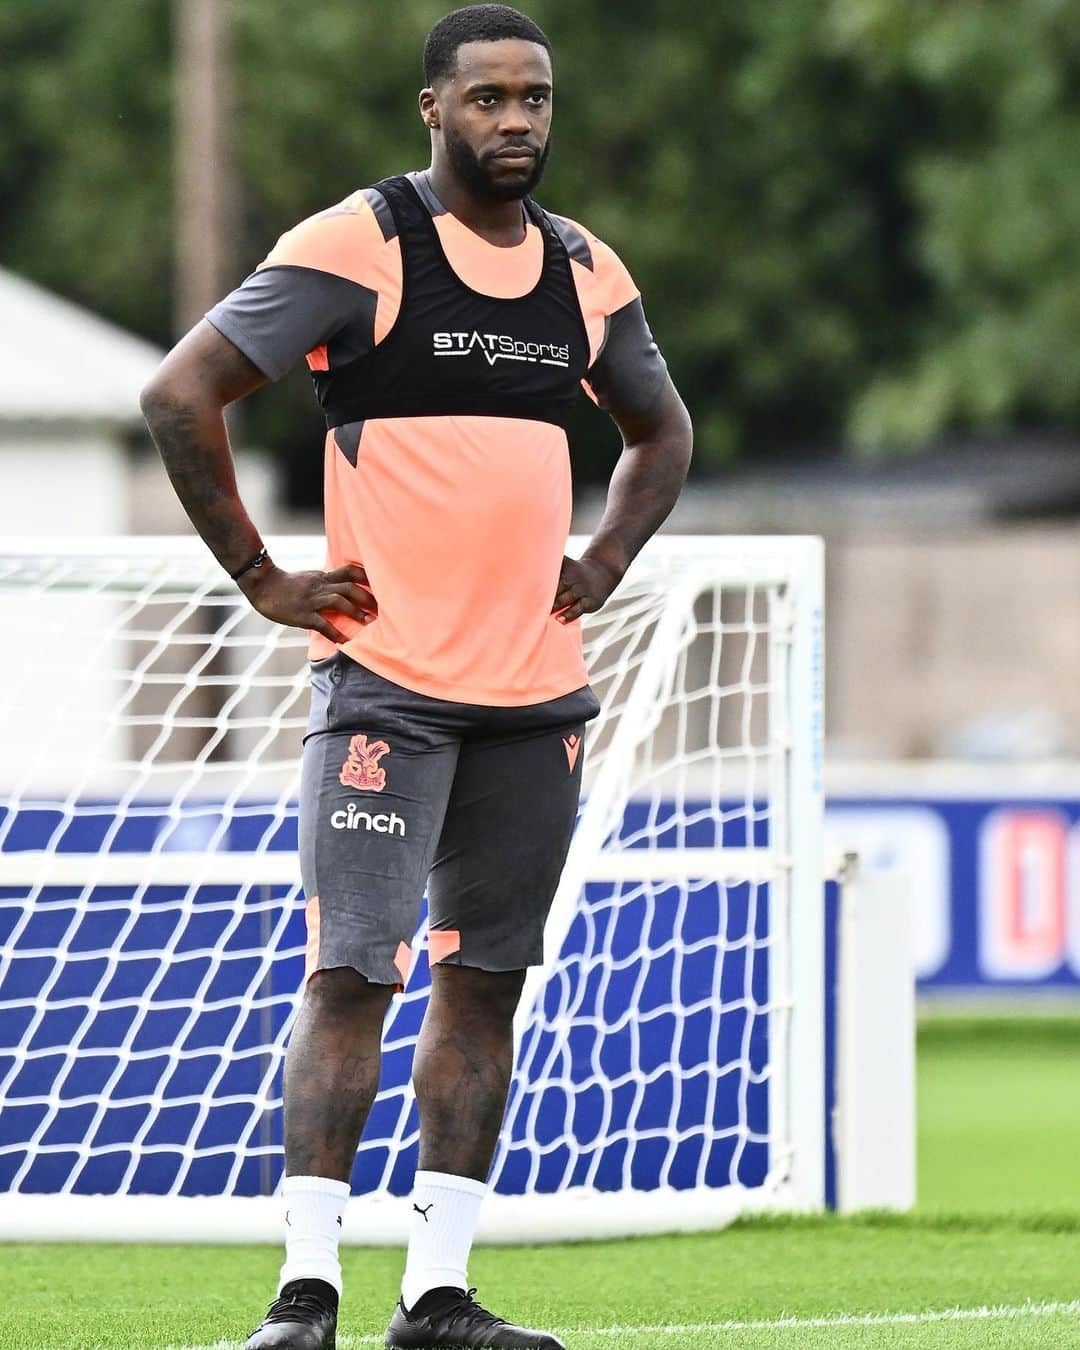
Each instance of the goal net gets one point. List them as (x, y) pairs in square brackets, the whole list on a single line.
[(670, 1050)]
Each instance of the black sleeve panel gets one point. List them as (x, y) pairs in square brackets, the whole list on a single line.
[(380, 209), (575, 243), (279, 314), (629, 369)]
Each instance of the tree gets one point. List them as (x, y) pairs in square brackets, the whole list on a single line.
[(853, 220), (996, 202), (85, 154), (730, 154)]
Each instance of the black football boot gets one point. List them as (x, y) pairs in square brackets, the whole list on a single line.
[(302, 1317), (451, 1317)]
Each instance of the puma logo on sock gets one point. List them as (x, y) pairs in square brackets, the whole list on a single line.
[(424, 1212)]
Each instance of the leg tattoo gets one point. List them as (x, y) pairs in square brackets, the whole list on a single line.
[(332, 1072), (462, 1067)]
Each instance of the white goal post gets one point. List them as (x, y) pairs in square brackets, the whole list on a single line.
[(670, 1069)]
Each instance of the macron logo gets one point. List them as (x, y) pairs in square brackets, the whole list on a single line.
[(572, 746), (500, 347)]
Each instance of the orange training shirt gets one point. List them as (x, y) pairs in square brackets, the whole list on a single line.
[(460, 520)]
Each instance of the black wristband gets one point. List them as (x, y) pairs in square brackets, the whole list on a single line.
[(257, 561)]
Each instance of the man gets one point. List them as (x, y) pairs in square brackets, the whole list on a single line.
[(447, 321)]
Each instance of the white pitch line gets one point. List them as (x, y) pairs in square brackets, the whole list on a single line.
[(1000, 1313), (987, 1313)]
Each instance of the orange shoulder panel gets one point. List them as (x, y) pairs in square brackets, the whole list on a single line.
[(610, 280), (345, 241)]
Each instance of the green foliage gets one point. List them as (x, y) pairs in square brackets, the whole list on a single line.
[(85, 171), (997, 207), (726, 153), (859, 219)]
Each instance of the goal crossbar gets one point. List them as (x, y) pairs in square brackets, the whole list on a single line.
[(86, 870)]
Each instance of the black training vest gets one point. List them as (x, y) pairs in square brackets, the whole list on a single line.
[(454, 351)]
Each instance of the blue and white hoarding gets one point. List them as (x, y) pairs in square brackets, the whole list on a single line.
[(994, 883)]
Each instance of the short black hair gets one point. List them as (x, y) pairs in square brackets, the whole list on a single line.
[(475, 23)]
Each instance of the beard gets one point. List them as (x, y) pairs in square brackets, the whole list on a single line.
[(476, 175)]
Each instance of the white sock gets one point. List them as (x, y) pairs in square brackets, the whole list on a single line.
[(442, 1224), (313, 1210)]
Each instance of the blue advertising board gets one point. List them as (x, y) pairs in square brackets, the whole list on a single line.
[(995, 884)]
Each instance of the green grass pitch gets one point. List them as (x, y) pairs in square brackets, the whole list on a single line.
[(990, 1259)]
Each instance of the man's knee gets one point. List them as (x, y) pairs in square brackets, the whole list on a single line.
[(342, 991), (469, 991)]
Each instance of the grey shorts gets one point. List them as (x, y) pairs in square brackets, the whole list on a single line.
[(400, 791)]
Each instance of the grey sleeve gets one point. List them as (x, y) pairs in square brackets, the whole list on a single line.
[(279, 314), (629, 369)]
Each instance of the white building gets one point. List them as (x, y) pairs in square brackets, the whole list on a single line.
[(70, 467), (69, 399)]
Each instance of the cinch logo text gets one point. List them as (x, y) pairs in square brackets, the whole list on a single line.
[(383, 822), (500, 347)]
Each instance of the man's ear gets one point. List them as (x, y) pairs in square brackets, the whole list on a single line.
[(429, 107)]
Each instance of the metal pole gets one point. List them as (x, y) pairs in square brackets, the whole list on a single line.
[(806, 1091), (204, 196)]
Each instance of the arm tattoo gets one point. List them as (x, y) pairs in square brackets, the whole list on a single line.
[(657, 445), (183, 407)]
